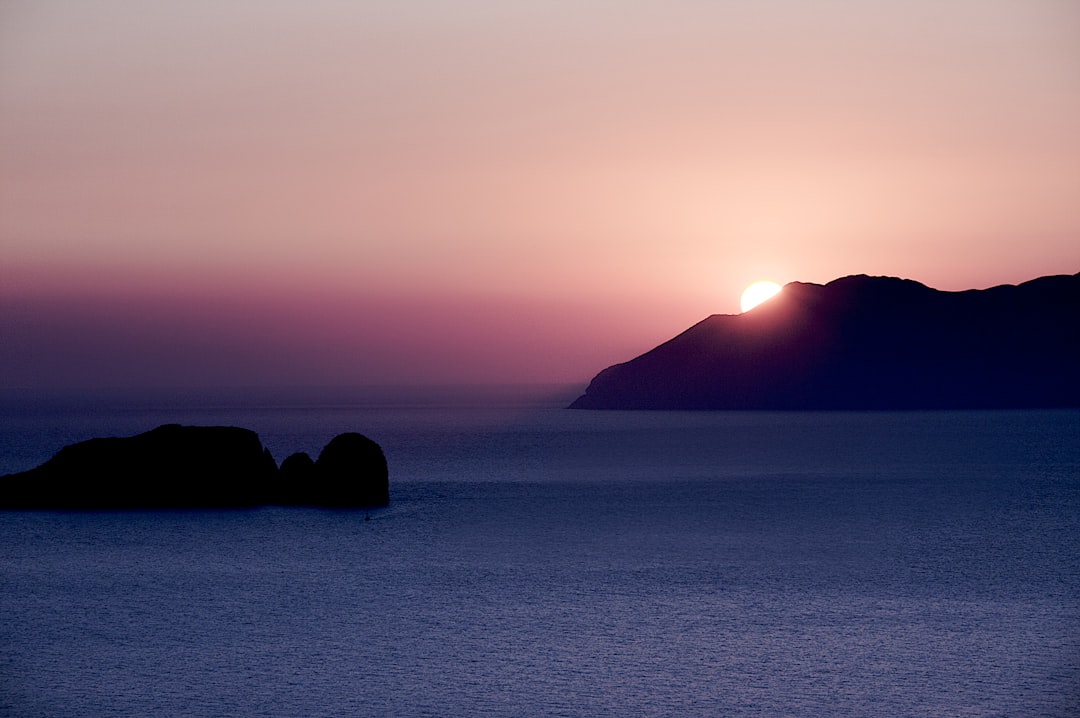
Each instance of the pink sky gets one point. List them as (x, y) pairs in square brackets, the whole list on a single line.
[(331, 192)]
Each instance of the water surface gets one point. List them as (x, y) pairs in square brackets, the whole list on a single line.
[(536, 561)]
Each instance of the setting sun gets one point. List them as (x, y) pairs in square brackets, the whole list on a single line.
[(757, 293)]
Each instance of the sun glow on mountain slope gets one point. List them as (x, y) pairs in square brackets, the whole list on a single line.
[(757, 293)]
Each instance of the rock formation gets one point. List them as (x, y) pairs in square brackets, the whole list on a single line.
[(296, 468), (176, 466), (866, 343), (350, 471)]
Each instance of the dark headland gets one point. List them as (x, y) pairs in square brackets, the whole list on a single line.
[(187, 467), (865, 342)]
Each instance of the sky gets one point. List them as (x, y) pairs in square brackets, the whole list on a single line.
[(261, 192)]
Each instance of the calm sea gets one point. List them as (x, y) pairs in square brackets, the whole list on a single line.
[(536, 561)]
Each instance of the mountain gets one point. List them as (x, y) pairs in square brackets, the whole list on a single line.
[(865, 342)]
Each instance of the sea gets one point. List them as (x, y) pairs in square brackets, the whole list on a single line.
[(540, 561)]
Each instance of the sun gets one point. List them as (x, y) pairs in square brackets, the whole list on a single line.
[(757, 293)]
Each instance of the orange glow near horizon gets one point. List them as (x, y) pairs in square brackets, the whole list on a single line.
[(536, 156)]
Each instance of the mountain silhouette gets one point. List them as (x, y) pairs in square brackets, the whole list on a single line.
[(864, 342)]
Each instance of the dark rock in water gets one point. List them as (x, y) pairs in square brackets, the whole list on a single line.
[(171, 466), (351, 471), (866, 343), (176, 466), (297, 468), (297, 471)]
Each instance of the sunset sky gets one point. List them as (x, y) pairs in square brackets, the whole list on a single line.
[(267, 192)]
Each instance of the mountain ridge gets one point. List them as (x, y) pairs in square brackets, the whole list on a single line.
[(866, 342)]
